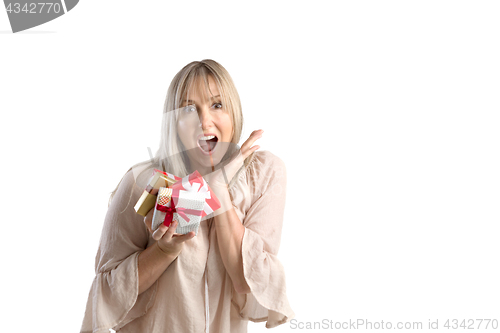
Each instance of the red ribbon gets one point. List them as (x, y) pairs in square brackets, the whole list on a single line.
[(181, 211)]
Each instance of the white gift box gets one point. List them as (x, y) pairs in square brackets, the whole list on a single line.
[(188, 209)]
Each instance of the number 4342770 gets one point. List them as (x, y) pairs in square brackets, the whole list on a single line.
[(471, 324), (34, 8)]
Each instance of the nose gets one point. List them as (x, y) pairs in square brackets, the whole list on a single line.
[(206, 120)]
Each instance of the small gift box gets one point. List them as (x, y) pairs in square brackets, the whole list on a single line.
[(196, 183), (183, 206), (148, 198)]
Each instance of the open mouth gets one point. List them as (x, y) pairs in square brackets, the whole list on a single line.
[(207, 143)]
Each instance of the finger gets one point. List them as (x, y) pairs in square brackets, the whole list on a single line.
[(162, 229), (251, 140), (254, 148), (182, 238), (249, 149), (170, 232), (254, 136), (256, 132), (148, 220)]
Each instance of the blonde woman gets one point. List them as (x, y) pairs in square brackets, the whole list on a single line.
[(161, 281)]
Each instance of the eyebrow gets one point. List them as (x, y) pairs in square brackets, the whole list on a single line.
[(191, 101)]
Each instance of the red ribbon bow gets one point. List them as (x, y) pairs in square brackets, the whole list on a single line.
[(181, 211)]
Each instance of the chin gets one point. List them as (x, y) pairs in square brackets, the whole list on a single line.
[(204, 161)]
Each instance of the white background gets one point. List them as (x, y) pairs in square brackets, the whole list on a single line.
[(386, 114)]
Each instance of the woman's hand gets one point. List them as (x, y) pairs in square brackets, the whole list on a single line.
[(221, 177), (167, 240), (246, 148)]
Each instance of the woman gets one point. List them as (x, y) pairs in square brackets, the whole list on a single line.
[(160, 281)]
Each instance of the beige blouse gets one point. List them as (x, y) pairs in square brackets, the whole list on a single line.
[(195, 293)]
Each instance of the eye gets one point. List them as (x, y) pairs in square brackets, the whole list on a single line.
[(217, 105), (190, 108)]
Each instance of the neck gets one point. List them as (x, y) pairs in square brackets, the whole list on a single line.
[(202, 169)]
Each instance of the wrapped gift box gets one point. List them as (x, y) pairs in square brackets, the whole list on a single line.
[(183, 206), (147, 200), (196, 183)]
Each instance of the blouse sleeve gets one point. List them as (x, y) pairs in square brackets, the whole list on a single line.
[(113, 299), (263, 222)]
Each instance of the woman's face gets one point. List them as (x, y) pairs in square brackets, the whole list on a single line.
[(204, 125)]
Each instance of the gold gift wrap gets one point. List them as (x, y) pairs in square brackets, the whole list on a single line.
[(148, 198)]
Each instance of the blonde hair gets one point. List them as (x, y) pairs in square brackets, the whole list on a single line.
[(171, 155)]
